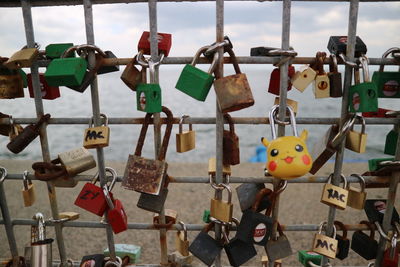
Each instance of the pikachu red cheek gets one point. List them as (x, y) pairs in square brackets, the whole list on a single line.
[(272, 166), (306, 159)]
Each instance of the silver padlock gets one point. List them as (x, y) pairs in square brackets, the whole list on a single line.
[(41, 247), (76, 161)]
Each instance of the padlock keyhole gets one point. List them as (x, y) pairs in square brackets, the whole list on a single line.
[(371, 93)]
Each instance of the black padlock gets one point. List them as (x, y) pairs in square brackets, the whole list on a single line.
[(364, 245), (247, 193), (153, 203), (204, 247), (30, 132), (230, 144), (335, 78), (107, 69), (375, 210), (95, 260), (255, 227), (90, 75), (343, 242), (338, 44), (238, 252)]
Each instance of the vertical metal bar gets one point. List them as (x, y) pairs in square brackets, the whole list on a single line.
[(391, 197), (30, 38), (351, 42), (88, 13)]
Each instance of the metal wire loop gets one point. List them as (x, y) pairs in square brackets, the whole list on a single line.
[(147, 62), (282, 187), (3, 174), (381, 232), (214, 185)]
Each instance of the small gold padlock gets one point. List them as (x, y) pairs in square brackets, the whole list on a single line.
[(303, 78), (28, 192), (325, 245), (356, 198), (222, 210), (212, 167), (181, 241), (185, 140), (97, 136), (334, 195), (321, 85), (293, 104), (356, 141), (22, 58)]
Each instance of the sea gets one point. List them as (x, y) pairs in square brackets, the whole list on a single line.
[(117, 100)]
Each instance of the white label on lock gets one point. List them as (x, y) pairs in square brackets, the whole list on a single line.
[(259, 232), (356, 101), (142, 101), (390, 88)]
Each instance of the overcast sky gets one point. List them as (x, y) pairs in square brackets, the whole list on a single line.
[(248, 24)]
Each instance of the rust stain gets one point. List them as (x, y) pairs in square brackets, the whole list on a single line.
[(312, 178)]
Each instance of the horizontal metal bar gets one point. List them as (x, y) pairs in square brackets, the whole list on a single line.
[(201, 120)]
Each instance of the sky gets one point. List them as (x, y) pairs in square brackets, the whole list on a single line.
[(118, 27)]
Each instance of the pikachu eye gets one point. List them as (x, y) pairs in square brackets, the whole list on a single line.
[(298, 148), (274, 152)]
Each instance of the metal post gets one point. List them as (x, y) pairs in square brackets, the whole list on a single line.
[(88, 13), (30, 38)]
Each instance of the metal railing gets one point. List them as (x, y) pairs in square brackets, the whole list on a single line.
[(26, 6)]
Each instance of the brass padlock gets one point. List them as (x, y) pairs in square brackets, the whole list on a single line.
[(28, 192), (302, 78), (185, 141), (222, 210), (321, 85), (170, 217), (212, 167), (293, 104), (97, 136), (325, 245), (76, 161), (11, 82), (68, 216), (131, 76), (15, 129), (335, 196), (22, 58), (356, 141), (181, 241), (356, 198)]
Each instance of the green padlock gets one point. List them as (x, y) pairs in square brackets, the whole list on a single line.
[(308, 256), (387, 82), (57, 50), (363, 97), (391, 141), (148, 97), (123, 250), (206, 216), (373, 164), (195, 82), (24, 77)]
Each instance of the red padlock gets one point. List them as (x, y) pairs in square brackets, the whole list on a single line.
[(391, 255), (274, 81), (48, 92), (164, 43), (116, 214), (381, 113)]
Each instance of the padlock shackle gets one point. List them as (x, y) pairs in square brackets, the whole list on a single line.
[(272, 118), (340, 226), (102, 115), (364, 63), (207, 228), (3, 174), (198, 54), (319, 62), (89, 47), (234, 60), (40, 226), (113, 173), (361, 181), (321, 226), (181, 122), (229, 120), (46, 171), (344, 179), (333, 65), (185, 238), (389, 51), (26, 181), (260, 194), (363, 123), (116, 263), (370, 227), (343, 131), (225, 234), (223, 186), (109, 201)]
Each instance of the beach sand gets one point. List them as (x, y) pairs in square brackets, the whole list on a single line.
[(299, 204)]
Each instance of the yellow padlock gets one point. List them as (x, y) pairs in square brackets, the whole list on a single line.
[(185, 140), (357, 198), (28, 192), (335, 196), (356, 141), (22, 58), (325, 245), (97, 136), (321, 85), (181, 241), (222, 210)]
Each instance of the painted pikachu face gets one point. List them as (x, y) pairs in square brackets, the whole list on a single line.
[(288, 156)]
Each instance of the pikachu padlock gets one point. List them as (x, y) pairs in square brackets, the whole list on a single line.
[(287, 156)]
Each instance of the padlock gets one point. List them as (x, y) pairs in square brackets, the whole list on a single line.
[(356, 198), (375, 164), (212, 167), (278, 248), (357, 141), (381, 113), (230, 143), (107, 69), (288, 156), (185, 141), (29, 134), (178, 260), (195, 82), (335, 78), (154, 203), (375, 210), (204, 247), (65, 181), (181, 241), (131, 76), (117, 217), (303, 78), (95, 260), (237, 251), (338, 45), (222, 210), (126, 250), (343, 242), (22, 58), (247, 192), (47, 91), (14, 129), (28, 191), (390, 142), (41, 247), (293, 104), (148, 175), (325, 245), (255, 227), (305, 257), (387, 82), (391, 254), (206, 216), (76, 160), (170, 217), (333, 195), (164, 41), (98, 136), (233, 92), (364, 245), (321, 85), (68, 215), (363, 97), (275, 80), (57, 50), (11, 82)]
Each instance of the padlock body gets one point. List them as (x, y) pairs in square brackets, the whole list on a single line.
[(131, 76), (390, 143), (153, 203), (96, 137), (364, 246), (342, 248), (107, 69), (57, 50), (291, 103), (122, 250), (305, 256), (363, 97), (388, 83), (95, 260), (21, 141), (41, 255), (11, 86), (117, 217), (185, 141), (325, 245), (254, 228), (247, 192), (212, 167), (389, 261), (239, 252), (374, 164), (356, 141), (356, 198), (87, 80), (381, 113), (148, 97), (205, 248), (178, 260), (28, 195), (92, 199), (375, 210), (233, 93), (334, 196), (22, 58), (68, 182), (302, 79), (338, 45), (335, 84), (77, 160), (48, 92), (230, 147), (164, 43), (182, 245), (221, 210), (194, 82), (278, 249), (274, 80), (66, 71), (321, 86)]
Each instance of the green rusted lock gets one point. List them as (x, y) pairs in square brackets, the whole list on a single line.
[(148, 97), (363, 97), (57, 50), (66, 71), (374, 164), (387, 82), (391, 141), (195, 82)]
